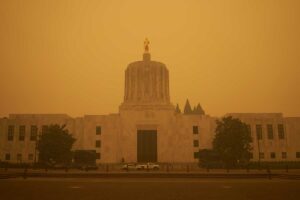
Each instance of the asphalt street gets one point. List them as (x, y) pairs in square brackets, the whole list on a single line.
[(149, 188)]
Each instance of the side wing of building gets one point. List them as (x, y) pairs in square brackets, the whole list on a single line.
[(275, 138)]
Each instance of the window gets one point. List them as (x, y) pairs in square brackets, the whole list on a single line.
[(98, 130), (44, 129), (19, 157), (195, 130), (259, 132), (7, 156), (261, 155), (284, 155), (30, 156), (196, 143), (270, 131), (21, 133), (98, 155), (280, 131), (273, 155), (297, 154), (10, 133), (33, 133), (98, 143), (196, 155)]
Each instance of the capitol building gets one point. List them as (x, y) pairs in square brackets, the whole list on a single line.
[(148, 127)]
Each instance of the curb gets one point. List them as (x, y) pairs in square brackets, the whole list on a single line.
[(150, 175)]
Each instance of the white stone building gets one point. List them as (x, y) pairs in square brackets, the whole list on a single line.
[(147, 128)]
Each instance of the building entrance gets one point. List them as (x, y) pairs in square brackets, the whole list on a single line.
[(147, 146)]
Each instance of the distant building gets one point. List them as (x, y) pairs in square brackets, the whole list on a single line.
[(148, 128)]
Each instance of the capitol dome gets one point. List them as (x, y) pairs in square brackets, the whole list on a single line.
[(146, 82)]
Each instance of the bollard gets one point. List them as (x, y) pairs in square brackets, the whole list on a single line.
[(207, 169), (269, 173), (25, 173)]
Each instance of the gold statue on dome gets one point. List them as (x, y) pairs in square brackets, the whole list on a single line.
[(146, 45)]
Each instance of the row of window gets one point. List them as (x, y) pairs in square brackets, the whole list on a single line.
[(261, 155), (259, 131), (196, 131), (98, 145), (98, 142), (270, 131), (19, 157), (31, 156), (273, 155), (22, 132)]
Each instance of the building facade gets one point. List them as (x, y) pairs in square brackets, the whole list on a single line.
[(147, 127)]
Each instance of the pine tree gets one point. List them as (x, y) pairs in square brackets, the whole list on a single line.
[(187, 108)]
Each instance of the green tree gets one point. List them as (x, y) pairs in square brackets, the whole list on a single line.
[(232, 141), (55, 144)]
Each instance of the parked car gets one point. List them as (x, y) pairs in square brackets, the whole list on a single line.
[(129, 166), (147, 166)]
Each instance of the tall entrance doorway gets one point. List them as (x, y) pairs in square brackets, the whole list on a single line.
[(147, 145)]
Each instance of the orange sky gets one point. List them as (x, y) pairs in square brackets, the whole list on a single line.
[(69, 57)]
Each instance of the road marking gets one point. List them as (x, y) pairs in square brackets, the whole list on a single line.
[(226, 187), (74, 187)]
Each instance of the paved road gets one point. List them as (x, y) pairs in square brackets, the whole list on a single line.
[(146, 189)]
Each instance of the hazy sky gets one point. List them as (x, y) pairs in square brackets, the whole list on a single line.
[(69, 57)]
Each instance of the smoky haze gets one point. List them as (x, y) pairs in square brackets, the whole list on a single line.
[(70, 56)]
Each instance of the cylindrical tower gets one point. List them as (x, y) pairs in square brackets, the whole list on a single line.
[(146, 83)]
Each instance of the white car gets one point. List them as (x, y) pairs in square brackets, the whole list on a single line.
[(129, 166), (147, 166)]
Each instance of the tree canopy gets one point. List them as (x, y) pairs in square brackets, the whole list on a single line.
[(55, 144), (232, 141)]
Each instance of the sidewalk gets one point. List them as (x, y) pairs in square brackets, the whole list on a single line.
[(215, 173)]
